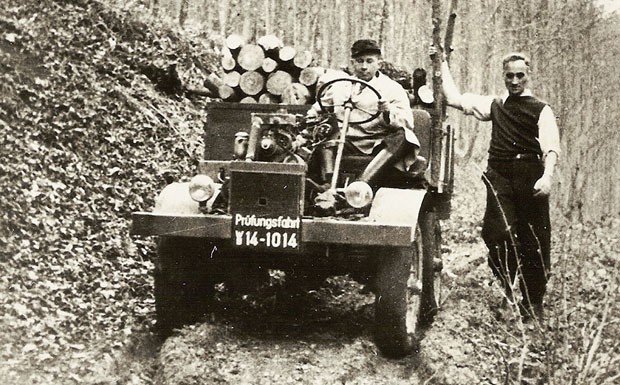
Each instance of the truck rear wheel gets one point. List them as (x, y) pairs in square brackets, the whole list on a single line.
[(183, 285), (397, 300)]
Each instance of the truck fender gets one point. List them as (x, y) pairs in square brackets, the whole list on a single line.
[(175, 199), (397, 207)]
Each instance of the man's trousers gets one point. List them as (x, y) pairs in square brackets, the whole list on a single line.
[(516, 227)]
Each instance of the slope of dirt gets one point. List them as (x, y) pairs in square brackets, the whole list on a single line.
[(88, 125)]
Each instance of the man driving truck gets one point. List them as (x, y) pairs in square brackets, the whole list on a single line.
[(389, 137)]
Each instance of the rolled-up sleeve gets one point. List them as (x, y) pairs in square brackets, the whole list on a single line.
[(548, 132), (477, 105)]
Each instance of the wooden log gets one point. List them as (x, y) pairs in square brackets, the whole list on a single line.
[(200, 92), (268, 98), (234, 43), (296, 93), (302, 59), (286, 54), (269, 65), (232, 79), (270, 44), (251, 57), (248, 99), (278, 82), (251, 83), (212, 83), (309, 76), (228, 62), (227, 93), (329, 75)]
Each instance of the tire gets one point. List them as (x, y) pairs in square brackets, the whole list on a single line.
[(184, 287), (428, 235), (396, 303)]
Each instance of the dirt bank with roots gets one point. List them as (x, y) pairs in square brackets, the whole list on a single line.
[(89, 127)]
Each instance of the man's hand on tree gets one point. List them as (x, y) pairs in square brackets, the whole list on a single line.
[(432, 51)]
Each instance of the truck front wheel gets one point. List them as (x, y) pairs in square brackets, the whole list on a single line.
[(184, 284), (396, 302)]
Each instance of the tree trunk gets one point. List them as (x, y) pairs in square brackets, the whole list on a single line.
[(437, 130), (183, 12), (224, 6), (155, 8)]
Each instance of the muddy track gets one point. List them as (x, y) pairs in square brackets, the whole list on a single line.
[(279, 336)]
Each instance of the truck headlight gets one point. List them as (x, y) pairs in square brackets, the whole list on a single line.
[(358, 194), (201, 188)]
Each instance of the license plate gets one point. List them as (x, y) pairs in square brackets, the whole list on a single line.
[(281, 233)]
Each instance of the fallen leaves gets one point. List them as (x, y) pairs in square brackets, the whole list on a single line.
[(76, 161)]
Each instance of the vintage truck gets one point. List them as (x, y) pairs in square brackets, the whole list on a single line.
[(252, 207)]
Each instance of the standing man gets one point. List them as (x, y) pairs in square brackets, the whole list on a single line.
[(389, 137), (523, 152)]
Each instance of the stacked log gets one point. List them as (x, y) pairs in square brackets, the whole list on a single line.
[(266, 72)]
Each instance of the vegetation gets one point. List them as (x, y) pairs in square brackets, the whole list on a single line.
[(88, 131)]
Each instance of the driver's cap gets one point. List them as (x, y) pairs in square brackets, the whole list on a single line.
[(364, 46)]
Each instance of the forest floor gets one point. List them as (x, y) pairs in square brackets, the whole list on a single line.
[(87, 128)]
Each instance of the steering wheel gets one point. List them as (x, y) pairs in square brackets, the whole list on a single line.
[(349, 102)]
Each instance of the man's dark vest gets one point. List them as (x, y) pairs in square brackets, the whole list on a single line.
[(515, 127)]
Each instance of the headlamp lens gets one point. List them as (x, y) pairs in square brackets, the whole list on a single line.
[(358, 194), (201, 188)]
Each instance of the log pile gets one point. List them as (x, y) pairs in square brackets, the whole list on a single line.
[(266, 71)]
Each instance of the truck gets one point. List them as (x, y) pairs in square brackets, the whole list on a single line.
[(252, 206)]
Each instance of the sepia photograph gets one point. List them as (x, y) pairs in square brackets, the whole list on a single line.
[(279, 192)]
